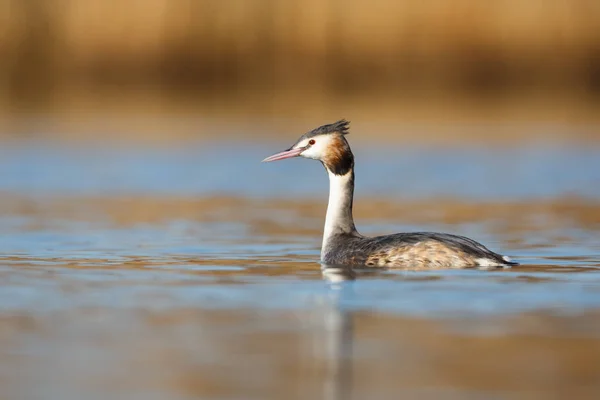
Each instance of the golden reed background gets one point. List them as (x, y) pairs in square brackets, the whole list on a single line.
[(286, 58)]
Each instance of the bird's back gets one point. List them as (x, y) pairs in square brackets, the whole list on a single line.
[(411, 250)]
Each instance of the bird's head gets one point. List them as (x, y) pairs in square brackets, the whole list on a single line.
[(326, 144)]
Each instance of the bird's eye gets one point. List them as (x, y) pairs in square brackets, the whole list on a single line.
[(311, 142)]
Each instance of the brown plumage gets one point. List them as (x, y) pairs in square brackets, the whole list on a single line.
[(338, 157), (426, 254)]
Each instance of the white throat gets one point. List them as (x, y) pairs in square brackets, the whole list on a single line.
[(339, 209)]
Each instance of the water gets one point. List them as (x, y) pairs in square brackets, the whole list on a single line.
[(192, 273), (206, 169)]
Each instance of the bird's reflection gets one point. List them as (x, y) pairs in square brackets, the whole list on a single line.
[(339, 338), (338, 273)]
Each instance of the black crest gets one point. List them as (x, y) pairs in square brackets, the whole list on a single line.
[(342, 126)]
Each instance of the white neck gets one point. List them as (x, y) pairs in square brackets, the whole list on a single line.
[(339, 209)]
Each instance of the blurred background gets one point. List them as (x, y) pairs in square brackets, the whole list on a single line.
[(139, 64), (145, 252)]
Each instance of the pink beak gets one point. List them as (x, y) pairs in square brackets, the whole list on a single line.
[(285, 154)]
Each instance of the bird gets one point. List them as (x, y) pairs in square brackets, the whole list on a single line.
[(343, 245)]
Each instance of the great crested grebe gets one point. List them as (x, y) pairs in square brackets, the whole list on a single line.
[(343, 245)]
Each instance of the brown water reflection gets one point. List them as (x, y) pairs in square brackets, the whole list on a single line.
[(221, 297), (317, 353)]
